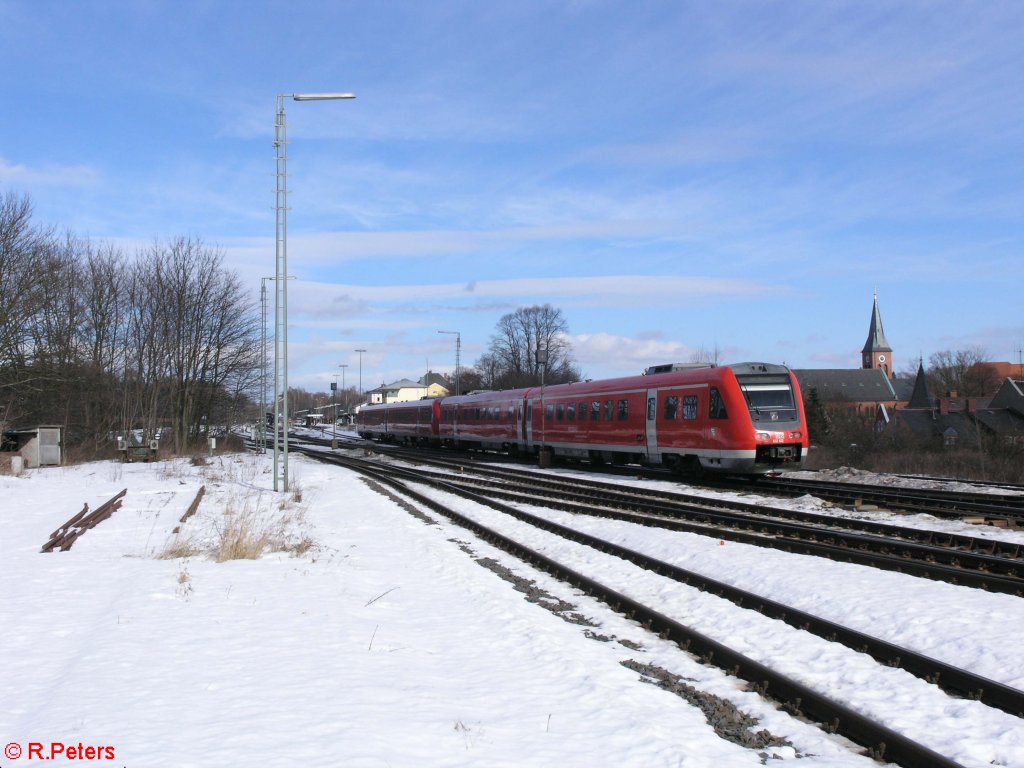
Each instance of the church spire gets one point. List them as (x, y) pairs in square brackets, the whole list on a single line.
[(877, 353), (920, 397)]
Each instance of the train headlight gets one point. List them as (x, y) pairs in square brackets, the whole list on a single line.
[(763, 436), (796, 435)]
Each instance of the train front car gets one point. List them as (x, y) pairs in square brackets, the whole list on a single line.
[(766, 424)]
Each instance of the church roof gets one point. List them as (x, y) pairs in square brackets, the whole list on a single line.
[(859, 385), (876, 334)]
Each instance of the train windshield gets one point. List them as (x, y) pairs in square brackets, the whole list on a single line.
[(769, 398)]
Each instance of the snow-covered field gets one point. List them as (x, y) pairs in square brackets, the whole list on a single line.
[(372, 638)]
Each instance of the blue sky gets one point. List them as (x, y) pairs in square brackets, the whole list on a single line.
[(672, 175)]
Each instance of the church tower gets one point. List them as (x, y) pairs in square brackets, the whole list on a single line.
[(877, 353)]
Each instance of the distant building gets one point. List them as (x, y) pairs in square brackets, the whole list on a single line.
[(868, 388), (862, 389), (405, 390), (877, 354), (961, 422), (986, 378), (906, 405)]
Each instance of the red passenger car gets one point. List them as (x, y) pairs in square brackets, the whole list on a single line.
[(408, 422)]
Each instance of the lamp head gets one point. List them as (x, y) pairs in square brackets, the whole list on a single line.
[(321, 96)]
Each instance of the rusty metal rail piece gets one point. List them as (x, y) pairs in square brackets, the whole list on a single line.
[(65, 536), (191, 508)]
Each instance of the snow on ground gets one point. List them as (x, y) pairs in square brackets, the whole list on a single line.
[(374, 639)]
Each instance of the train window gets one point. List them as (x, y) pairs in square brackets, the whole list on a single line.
[(623, 409), (549, 411), (570, 412), (595, 411), (529, 412), (560, 412), (511, 412), (769, 398), (717, 406), (689, 407), (652, 408), (583, 410), (671, 407), (608, 410)]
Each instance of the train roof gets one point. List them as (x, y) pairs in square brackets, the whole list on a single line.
[(698, 373), (677, 373)]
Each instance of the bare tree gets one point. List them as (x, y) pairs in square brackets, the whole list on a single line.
[(104, 335), (517, 348), (22, 249), (19, 250), (706, 356), (949, 371)]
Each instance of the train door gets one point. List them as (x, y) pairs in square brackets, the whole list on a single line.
[(520, 427), (717, 429), (653, 452), (529, 423)]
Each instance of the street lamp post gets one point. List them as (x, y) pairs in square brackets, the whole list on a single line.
[(281, 284), (334, 412), (343, 366), (360, 351), (458, 353), (545, 453)]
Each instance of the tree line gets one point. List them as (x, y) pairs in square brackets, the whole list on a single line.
[(165, 342)]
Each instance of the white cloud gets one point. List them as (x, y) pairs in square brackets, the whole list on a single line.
[(18, 174), (625, 355)]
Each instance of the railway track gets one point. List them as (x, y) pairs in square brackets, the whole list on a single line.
[(984, 563), (998, 504), (1005, 507), (879, 740)]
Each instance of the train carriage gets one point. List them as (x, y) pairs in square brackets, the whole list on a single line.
[(415, 421), (484, 420)]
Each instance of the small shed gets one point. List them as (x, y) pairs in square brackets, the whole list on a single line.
[(40, 446)]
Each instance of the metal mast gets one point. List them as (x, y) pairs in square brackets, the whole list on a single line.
[(281, 303), (281, 285)]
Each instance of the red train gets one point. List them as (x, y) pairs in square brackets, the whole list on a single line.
[(745, 418)]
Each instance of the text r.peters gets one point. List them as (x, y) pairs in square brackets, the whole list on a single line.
[(57, 749)]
